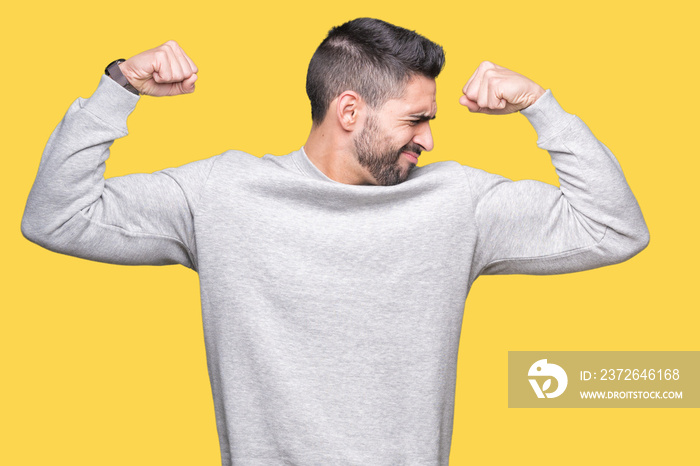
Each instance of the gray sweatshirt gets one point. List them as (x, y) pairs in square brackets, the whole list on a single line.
[(331, 312)]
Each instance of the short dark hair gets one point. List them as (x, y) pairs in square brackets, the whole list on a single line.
[(371, 57)]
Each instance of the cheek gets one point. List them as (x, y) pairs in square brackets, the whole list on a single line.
[(402, 138), (391, 143), (408, 140)]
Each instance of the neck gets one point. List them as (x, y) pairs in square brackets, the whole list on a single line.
[(335, 156)]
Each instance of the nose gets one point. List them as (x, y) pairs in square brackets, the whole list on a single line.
[(424, 136)]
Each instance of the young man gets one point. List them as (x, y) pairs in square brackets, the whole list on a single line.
[(333, 278)]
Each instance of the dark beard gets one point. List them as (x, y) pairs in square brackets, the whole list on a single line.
[(381, 162)]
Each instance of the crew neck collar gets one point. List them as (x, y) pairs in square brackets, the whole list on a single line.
[(306, 166)]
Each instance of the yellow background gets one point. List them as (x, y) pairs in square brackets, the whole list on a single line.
[(105, 365)]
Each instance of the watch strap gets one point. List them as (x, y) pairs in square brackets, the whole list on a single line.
[(113, 71)]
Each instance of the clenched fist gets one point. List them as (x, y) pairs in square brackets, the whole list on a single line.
[(496, 90), (164, 70)]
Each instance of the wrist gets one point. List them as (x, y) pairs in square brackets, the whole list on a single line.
[(114, 71), (533, 97), (539, 93)]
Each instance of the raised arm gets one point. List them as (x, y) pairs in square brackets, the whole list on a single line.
[(529, 227), (134, 219)]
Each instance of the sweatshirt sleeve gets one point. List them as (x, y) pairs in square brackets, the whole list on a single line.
[(530, 227), (139, 219)]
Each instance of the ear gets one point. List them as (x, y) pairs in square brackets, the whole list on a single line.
[(348, 109)]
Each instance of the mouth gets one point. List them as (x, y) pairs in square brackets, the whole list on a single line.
[(411, 156)]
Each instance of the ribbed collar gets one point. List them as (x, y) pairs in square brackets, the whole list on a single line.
[(306, 167)]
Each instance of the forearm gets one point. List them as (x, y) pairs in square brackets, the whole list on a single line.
[(72, 209), (591, 220), (590, 177), (70, 175)]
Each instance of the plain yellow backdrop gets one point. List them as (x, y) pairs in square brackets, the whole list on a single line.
[(105, 365)]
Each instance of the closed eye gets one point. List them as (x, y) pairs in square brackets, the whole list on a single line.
[(419, 118)]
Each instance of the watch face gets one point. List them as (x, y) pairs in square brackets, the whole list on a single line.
[(115, 73), (114, 63)]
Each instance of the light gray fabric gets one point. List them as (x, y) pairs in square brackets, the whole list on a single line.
[(332, 312)]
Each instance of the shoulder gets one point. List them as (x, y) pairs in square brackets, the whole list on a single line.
[(444, 169), (239, 164), (237, 157), (473, 181), (214, 163), (452, 170), (244, 169)]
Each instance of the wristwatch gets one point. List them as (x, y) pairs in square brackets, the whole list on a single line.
[(114, 72)]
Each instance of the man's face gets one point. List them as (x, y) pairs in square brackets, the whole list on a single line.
[(393, 136)]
